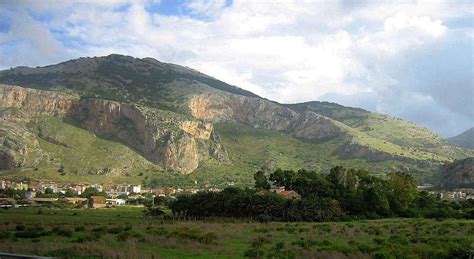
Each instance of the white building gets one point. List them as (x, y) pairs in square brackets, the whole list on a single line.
[(136, 188), (115, 202)]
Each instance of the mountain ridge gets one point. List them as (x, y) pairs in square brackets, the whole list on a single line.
[(170, 115), (464, 139)]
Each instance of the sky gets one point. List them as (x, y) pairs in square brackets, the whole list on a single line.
[(409, 59)]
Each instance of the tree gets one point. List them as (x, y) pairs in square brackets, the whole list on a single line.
[(403, 191), (261, 182), (90, 191), (70, 193)]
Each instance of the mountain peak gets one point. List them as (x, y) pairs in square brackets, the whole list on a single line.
[(465, 139)]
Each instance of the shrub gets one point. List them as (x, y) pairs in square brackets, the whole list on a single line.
[(4, 235), (20, 227), (90, 237), (208, 238), (79, 228), (60, 231), (124, 236)]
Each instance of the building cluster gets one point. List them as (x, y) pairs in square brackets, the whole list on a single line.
[(117, 194), (457, 194)]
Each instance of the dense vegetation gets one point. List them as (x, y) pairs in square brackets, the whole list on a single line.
[(340, 195)]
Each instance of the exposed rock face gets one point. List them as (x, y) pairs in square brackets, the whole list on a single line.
[(458, 174), (36, 102), (169, 142), (217, 149), (197, 129), (173, 146), (18, 147), (262, 113), (179, 153)]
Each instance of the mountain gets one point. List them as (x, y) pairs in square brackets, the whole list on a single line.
[(457, 174), (465, 139), (119, 118)]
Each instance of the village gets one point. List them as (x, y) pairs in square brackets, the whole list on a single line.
[(47, 193)]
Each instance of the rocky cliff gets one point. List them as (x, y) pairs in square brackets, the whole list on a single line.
[(163, 138), (262, 113)]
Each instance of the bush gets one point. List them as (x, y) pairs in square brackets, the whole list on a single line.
[(208, 238), (20, 227), (124, 236), (60, 231), (79, 229), (90, 237)]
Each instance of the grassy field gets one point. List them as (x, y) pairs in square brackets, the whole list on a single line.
[(127, 233)]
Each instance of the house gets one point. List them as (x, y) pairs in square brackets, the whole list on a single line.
[(79, 188), (3, 184), (42, 186), (97, 186), (115, 202), (20, 186), (96, 202), (136, 189), (114, 194), (164, 192)]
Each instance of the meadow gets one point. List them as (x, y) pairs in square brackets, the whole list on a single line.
[(127, 232)]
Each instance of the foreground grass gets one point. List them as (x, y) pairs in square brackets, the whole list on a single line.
[(126, 233)]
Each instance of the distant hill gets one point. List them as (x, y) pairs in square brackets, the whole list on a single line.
[(458, 174), (465, 139), (119, 118)]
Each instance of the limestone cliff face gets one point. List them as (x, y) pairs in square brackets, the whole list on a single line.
[(258, 112), (179, 153), (172, 145), (169, 141), (197, 129), (36, 102)]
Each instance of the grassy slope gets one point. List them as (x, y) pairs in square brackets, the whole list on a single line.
[(82, 154), (252, 149), (388, 134), (249, 150), (402, 238)]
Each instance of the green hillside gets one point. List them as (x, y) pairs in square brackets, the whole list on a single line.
[(465, 139), (224, 141)]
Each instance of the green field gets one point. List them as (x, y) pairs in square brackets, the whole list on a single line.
[(127, 233)]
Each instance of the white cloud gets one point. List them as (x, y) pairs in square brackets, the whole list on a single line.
[(289, 51)]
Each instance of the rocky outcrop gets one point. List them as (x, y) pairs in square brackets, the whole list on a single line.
[(18, 147), (179, 153), (258, 112), (164, 139), (458, 174), (36, 102), (168, 142), (197, 129)]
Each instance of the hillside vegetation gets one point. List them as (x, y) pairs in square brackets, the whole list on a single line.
[(119, 117)]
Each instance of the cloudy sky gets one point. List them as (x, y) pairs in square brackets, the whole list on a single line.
[(411, 59)]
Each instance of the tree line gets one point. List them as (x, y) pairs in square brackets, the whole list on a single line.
[(342, 194)]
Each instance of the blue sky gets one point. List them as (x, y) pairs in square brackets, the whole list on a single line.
[(409, 59)]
